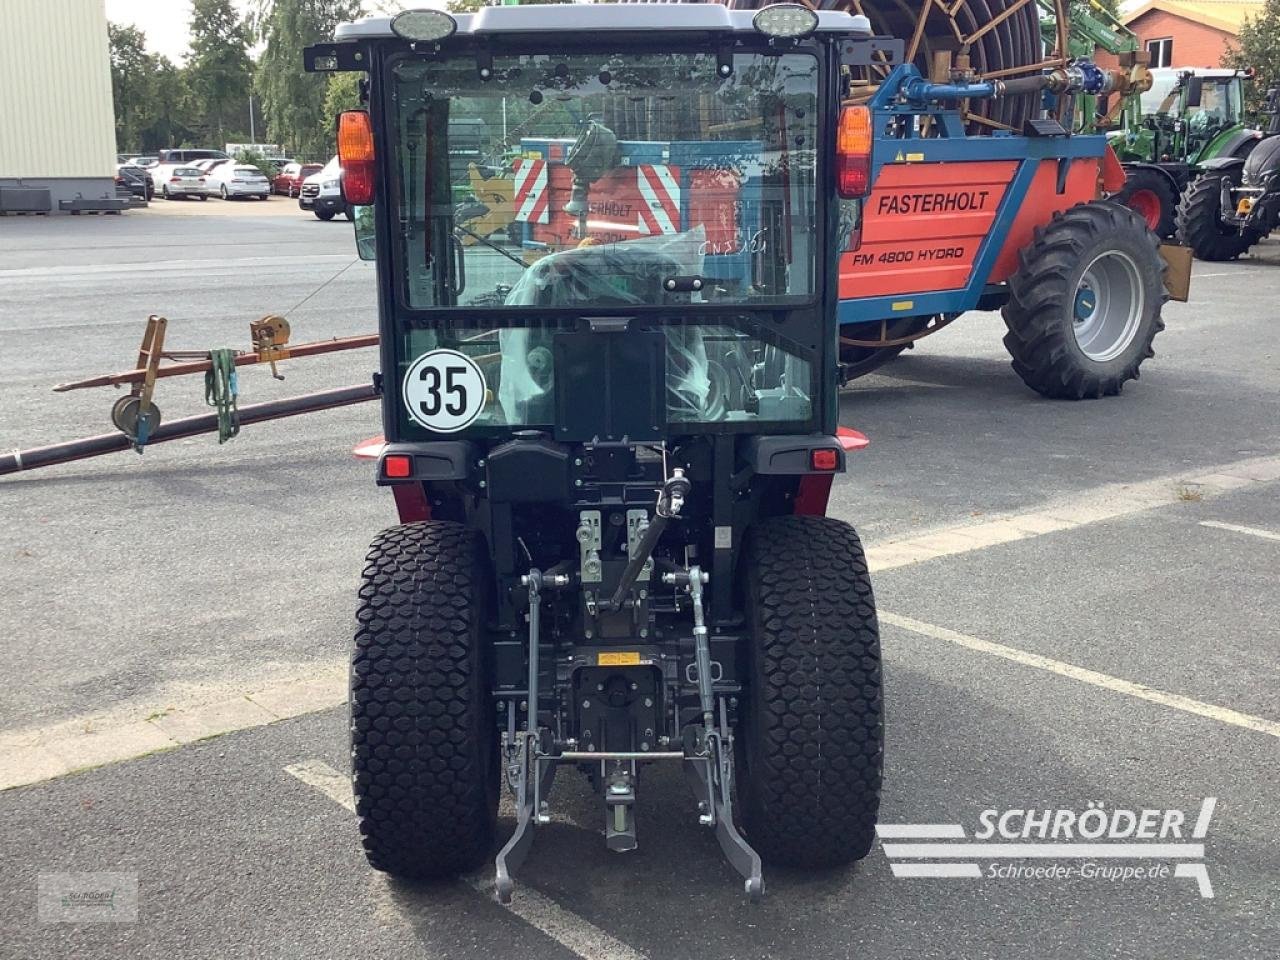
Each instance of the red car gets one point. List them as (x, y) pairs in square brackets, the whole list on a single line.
[(289, 180)]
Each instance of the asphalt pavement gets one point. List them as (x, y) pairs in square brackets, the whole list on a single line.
[(1080, 607)]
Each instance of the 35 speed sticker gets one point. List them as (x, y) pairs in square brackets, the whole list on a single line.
[(444, 391)]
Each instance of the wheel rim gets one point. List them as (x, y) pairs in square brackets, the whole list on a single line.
[(1146, 205), (1108, 306)]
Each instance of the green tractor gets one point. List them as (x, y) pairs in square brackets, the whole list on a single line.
[(1235, 201), (1164, 136), (1189, 118)]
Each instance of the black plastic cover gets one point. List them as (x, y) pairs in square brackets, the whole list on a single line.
[(790, 456)]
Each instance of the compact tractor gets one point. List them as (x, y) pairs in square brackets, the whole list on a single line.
[(611, 425), (1235, 202)]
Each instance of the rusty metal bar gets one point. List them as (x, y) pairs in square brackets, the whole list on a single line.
[(242, 360), (106, 443)]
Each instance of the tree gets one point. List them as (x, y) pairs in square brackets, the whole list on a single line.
[(152, 109), (218, 71), (131, 71), (1258, 47), (342, 93), (293, 101)]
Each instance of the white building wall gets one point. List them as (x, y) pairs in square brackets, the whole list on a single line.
[(56, 117)]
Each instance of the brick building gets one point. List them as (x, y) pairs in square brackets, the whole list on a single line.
[(1187, 33)]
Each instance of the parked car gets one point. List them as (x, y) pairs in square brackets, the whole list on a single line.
[(207, 165), (231, 180), (146, 163), (321, 192), (185, 182), (191, 156), (136, 180), (289, 180)]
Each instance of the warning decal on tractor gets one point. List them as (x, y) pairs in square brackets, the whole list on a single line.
[(530, 198), (444, 391)]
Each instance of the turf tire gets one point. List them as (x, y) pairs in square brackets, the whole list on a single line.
[(424, 745), (811, 730)]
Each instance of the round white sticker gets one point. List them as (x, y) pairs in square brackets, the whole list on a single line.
[(444, 391)]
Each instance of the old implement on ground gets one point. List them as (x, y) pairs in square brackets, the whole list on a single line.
[(137, 417), (611, 415)]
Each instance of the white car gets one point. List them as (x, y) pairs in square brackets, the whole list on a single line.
[(321, 192), (231, 180), (181, 181)]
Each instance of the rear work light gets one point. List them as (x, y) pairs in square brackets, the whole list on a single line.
[(397, 466), (825, 459), (355, 156), (853, 153)]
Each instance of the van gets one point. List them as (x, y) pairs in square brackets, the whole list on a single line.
[(190, 156)]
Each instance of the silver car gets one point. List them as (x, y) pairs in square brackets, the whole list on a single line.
[(185, 182), (239, 180)]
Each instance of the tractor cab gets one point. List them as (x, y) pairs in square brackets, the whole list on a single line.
[(606, 241), (1192, 108)]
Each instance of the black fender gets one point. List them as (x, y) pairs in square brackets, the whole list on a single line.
[(1241, 143), (1223, 164), (1160, 169)]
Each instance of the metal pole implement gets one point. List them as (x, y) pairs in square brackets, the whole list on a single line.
[(178, 429), (242, 360)]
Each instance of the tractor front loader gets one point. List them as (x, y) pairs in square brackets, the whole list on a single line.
[(611, 426)]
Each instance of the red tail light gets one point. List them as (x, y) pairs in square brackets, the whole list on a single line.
[(397, 466), (175, 179), (825, 459), (355, 156), (853, 153)]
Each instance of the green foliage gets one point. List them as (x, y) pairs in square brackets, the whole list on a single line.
[(150, 93), (254, 158), (219, 73), (1258, 46), (293, 101), (342, 93)]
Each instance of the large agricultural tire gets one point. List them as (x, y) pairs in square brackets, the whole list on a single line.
[(811, 731), (1200, 224), (423, 741), (1084, 305), (1152, 197)]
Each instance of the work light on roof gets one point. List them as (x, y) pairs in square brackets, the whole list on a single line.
[(423, 25), (786, 20)]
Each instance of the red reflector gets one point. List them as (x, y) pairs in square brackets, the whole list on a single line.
[(397, 466), (824, 459), (853, 176)]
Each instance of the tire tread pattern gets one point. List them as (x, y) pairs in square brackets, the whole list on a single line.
[(814, 737), (424, 784), (1038, 316), (1199, 226)]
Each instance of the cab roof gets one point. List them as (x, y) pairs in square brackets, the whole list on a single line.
[(607, 17)]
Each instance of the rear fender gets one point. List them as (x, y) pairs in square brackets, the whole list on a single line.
[(813, 490), (1156, 168), (1222, 164)]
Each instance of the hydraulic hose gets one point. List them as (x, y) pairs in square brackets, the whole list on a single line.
[(1002, 39)]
